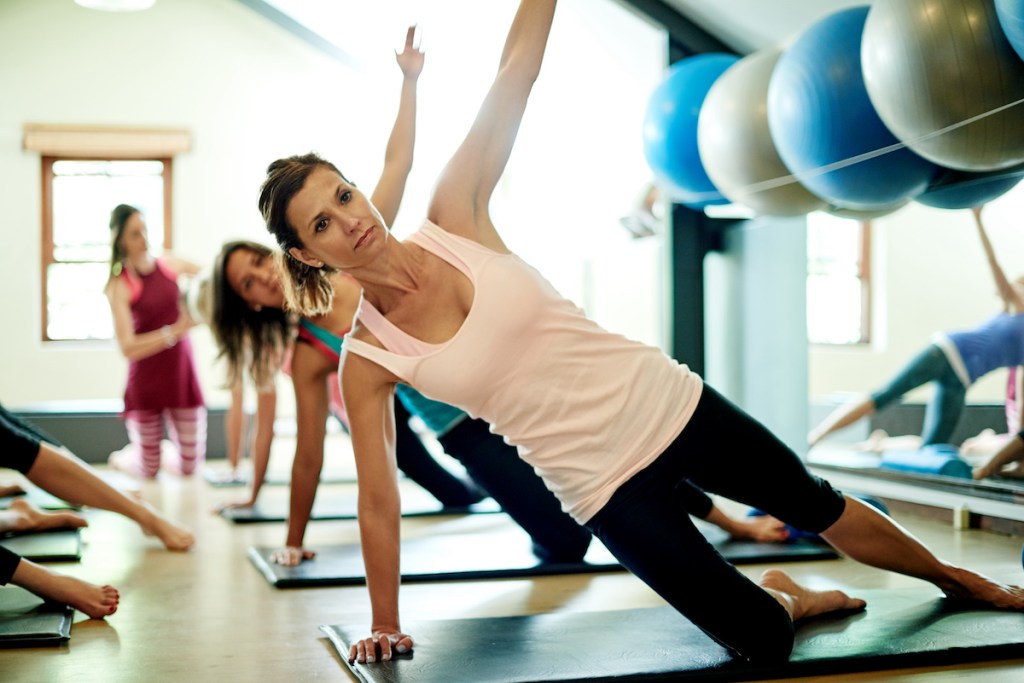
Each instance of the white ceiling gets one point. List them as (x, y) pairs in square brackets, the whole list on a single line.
[(749, 25)]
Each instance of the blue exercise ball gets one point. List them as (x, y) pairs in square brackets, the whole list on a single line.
[(827, 130), (1011, 19), (670, 129), (946, 81), (953, 189)]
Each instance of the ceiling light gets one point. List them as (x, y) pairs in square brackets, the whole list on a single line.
[(116, 5)]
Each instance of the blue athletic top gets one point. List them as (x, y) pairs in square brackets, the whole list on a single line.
[(996, 343), (439, 417)]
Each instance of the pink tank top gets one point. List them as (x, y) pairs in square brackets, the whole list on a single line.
[(585, 407)]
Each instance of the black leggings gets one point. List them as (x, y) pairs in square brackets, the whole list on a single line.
[(19, 442), (646, 524), (8, 563), (416, 462), (498, 469), (19, 447)]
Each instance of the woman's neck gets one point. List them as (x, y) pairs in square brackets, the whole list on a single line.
[(143, 265), (392, 278)]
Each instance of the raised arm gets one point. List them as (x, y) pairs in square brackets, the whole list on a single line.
[(368, 393), (387, 195), (1012, 299), (464, 189)]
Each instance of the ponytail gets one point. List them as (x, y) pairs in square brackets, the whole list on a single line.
[(307, 290), (118, 219)]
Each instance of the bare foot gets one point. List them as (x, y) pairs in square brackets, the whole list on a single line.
[(802, 602), (762, 528), (968, 585), (171, 534), (95, 601), (122, 461), (27, 517)]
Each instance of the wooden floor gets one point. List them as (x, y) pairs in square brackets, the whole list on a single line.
[(208, 615)]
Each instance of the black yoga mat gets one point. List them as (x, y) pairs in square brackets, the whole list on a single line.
[(494, 547), (900, 628), (54, 545), (223, 478), (27, 621), (333, 506)]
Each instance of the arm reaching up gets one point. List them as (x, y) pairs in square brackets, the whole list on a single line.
[(464, 189), (398, 155), (1012, 299)]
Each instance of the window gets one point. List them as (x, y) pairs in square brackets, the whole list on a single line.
[(78, 197), (86, 172), (838, 280)]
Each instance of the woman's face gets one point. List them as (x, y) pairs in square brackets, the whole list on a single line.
[(252, 275), (134, 240), (338, 224)]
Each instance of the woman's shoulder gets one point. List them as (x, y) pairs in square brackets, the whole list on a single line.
[(442, 234)]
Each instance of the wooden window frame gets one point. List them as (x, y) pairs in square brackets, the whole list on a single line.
[(864, 276), (47, 242), (864, 271)]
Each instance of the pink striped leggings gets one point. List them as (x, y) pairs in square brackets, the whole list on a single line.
[(186, 428)]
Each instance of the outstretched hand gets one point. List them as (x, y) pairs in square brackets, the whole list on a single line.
[(291, 556), (410, 59), (379, 647)]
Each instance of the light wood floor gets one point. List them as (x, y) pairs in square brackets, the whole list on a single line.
[(208, 615)]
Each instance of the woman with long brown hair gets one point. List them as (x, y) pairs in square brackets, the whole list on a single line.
[(151, 327)]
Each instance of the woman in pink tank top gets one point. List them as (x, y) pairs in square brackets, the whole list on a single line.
[(452, 312), (152, 332)]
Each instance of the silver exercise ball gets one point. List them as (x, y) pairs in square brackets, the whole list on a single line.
[(736, 145), (866, 214), (934, 64)]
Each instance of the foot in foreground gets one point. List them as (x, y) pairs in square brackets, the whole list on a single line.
[(802, 602), (26, 516)]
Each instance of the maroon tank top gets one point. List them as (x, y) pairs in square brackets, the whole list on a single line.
[(166, 379)]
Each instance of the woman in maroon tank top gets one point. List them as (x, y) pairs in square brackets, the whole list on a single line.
[(152, 332)]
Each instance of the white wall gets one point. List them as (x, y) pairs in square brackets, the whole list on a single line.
[(250, 92), (239, 84), (929, 274)]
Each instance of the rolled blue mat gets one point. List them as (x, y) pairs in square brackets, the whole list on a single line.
[(799, 534), (940, 459)]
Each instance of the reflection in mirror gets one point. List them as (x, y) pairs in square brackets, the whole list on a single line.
[(936, 376)]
